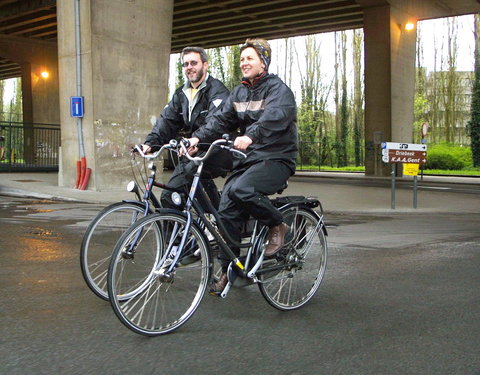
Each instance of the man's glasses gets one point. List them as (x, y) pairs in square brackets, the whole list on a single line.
[(191, 63)]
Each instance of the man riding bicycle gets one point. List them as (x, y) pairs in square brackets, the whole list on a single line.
[(191, 105)]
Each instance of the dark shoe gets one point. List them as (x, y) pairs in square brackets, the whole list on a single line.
[(276, 237), (220, 284)]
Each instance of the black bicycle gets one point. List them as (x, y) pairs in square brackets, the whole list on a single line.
[(152, 290), (110, 223)]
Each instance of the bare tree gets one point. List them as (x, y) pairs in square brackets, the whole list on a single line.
[(313, 116), (217, 64), (357, 42), (234, 75), (2, 86), (474, 124), (343, 136), (449, 79)]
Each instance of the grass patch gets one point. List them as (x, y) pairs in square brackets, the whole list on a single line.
[(444, 172), (460, 172), (314, 168)]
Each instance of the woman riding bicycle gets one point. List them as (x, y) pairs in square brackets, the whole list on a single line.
[(262, 108)]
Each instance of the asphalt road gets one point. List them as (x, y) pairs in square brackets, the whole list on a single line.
[(401, 296)]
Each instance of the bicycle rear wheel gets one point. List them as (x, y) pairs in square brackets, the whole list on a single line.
[(304, 257), (147, 298), (99, 241)]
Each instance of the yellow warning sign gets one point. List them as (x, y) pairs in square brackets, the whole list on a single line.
[(410, 169)]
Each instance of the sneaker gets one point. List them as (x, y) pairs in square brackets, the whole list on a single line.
[(276, 238)]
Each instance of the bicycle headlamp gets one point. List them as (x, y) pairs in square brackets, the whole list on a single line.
[(176, 199), (132, 187)]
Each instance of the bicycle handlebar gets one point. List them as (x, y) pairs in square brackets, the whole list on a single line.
[(184, 144), (222, 143), (139, 150)]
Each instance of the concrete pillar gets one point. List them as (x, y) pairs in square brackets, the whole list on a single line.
[(39, 95), (125, 55), (27, 110), (389, 82), (45, 99)]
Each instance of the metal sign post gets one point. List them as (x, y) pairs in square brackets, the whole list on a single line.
[(392, 198), (414, 191)]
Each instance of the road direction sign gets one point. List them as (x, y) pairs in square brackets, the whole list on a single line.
[(393, 152)]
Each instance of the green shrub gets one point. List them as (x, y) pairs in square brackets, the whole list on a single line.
[(448, 157)]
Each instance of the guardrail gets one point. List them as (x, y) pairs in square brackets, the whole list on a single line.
[(29, 146)]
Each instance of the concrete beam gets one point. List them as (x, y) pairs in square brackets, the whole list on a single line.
[(20, 50), (427, 9)]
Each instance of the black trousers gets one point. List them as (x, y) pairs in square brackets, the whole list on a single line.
[(246, 193), (219, 163)]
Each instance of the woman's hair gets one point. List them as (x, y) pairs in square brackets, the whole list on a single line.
[(262, 47), (199, 50)]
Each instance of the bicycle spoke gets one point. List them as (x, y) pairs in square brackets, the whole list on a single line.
[(304, 260), (162, 295), (99, 240)]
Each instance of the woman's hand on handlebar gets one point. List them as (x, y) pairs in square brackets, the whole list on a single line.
[(192, 146)]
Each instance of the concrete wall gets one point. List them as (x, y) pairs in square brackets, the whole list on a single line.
[(125, 55)]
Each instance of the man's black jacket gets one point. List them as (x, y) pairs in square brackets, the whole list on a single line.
[(265, 112), (175, 117)]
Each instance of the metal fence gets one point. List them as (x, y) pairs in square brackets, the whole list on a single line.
[(29, 147)]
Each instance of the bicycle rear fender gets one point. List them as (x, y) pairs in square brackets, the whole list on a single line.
[(308, 203)]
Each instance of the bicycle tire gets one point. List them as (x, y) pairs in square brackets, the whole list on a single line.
[(145, 298), (99, 241), (306, 249)]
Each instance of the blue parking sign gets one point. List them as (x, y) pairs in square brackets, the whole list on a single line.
[(76, 106)]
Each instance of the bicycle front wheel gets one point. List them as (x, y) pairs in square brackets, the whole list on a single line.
[(99, 241), (304, 259), (148, 295)]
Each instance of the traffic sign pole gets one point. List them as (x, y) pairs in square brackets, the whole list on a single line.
[(414, 191), (392, 201)]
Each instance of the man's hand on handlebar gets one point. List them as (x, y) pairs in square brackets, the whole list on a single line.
[(146, 149), (241, 143)]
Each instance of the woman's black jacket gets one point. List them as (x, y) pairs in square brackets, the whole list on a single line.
[(265, 112)]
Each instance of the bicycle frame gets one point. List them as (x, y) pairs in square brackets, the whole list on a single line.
[(161, 286), (219, 232)]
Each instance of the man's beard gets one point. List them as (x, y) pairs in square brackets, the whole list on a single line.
[(198, 76)]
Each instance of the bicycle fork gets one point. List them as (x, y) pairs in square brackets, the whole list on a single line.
[(165, 268)]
